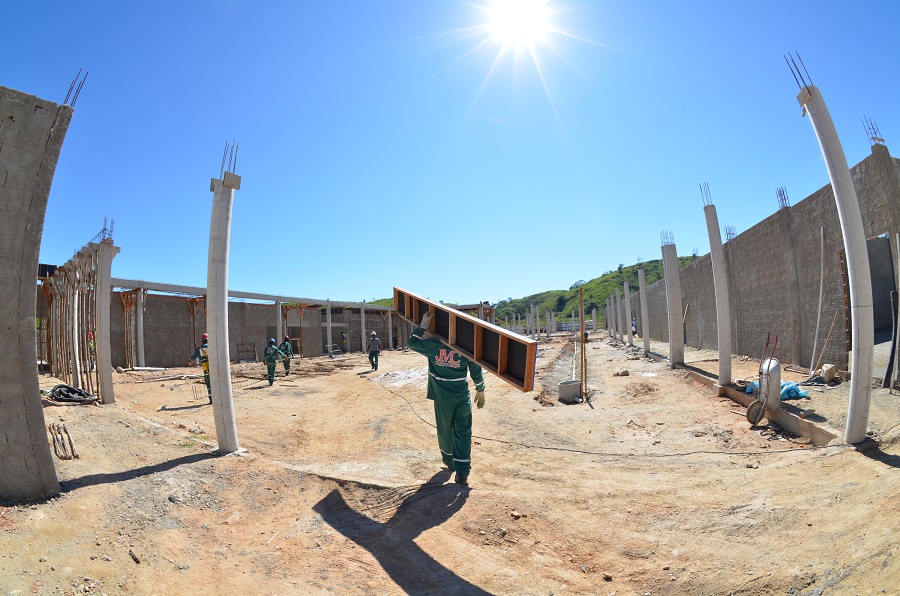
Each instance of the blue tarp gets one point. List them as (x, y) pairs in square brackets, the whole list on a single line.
[(789, 390)]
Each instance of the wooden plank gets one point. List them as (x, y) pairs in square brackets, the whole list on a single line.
[(507, 355)]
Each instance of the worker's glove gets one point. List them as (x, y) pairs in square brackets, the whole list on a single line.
[(479, 399), (426, 321)]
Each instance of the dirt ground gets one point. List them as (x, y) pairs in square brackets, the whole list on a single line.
[(656, 486)]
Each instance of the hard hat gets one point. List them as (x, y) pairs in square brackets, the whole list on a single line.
[(287, 338), (373, 333), (272, 340), (204, 336)]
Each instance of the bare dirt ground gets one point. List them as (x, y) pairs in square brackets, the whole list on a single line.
[(655, 487)]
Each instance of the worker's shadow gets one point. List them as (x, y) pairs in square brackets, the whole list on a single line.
[(392, 542)]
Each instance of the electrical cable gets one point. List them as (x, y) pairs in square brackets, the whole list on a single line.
[(607, 454)]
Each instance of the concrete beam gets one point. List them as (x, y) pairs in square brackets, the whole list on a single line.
[(130, 284)]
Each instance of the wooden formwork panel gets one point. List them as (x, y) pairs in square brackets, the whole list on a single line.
[(507, 355)]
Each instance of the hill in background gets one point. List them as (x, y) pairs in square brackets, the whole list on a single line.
[(563, 302)]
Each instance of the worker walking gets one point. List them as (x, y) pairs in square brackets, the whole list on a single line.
[(285, 348), (374, 347), (202, 353), (269, 354), (448, 387)]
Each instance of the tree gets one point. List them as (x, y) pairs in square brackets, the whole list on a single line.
[(561, 303), (577, 284)]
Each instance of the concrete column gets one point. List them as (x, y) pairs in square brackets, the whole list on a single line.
[(627, 293), (674, 305), (506, 319), (481, 310), (594, 318), (620, 316), (72, 331), (106, 252), (328, 339), (217, 311), (279, 327), (859, 278), (362, 325), (645, 310), (548, 323), (139, 324), (390, 331), (32, 136), (723, 308)]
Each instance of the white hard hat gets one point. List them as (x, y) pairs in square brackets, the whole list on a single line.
[(373, 333)]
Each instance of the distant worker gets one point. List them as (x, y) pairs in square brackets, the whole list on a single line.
[(285, 348), (202, 353), (449, 389), (269, 354), (91, 350), (343, 342), (374, 347), (634, 326)]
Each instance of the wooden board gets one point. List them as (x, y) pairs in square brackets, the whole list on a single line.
[(507, 355)]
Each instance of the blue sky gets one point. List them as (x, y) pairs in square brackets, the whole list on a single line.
[(396, 142)]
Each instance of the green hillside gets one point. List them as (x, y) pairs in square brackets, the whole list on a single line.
[(563, 302)]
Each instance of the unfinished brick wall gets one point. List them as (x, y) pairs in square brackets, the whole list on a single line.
[(773, 272)]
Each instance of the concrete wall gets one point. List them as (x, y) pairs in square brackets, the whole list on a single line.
[(774, 273)]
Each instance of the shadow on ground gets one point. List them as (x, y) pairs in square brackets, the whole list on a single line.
[(392, 542)]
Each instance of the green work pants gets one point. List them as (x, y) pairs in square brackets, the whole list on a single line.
[(287, 364), (271, 367), (206, 380), (373, 359), (453, 418)]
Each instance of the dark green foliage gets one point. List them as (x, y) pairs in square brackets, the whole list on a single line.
[(595, 292)]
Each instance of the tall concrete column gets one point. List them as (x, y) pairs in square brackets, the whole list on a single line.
[(547, 314), (72, 299), (860, 281), (279, 326), (328, 339), (723, 307), (390, 332), (627, 294), (645, 310), (31, 135), (217, 311), (594, 319), (106, 252), (674, 305), (620, 316), (139, 324), (362, 324)]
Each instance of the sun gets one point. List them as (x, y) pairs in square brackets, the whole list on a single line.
[(518, 23)]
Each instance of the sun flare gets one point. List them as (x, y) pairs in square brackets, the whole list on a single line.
[(518, 23)]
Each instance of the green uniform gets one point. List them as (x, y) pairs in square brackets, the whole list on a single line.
[(285, 348), (448, 387), (203, 354), (269, 358)]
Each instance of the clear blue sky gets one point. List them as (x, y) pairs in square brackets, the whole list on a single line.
[(392, 142)]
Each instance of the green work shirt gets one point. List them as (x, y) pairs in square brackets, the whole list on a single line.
[(447, 368), (269, 354)]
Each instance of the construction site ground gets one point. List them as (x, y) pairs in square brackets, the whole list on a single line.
[(657, 486)]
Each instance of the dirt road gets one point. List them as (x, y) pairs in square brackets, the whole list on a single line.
[(655, 487)]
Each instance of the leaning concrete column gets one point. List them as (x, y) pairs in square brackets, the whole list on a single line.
[(279, 329), (860, 280), (217, 311), (103, 288), (139, 324), (645, 310), (674, 305), (32, 131), (723, 308), (328, 328), (627, 294), (362, 325)]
